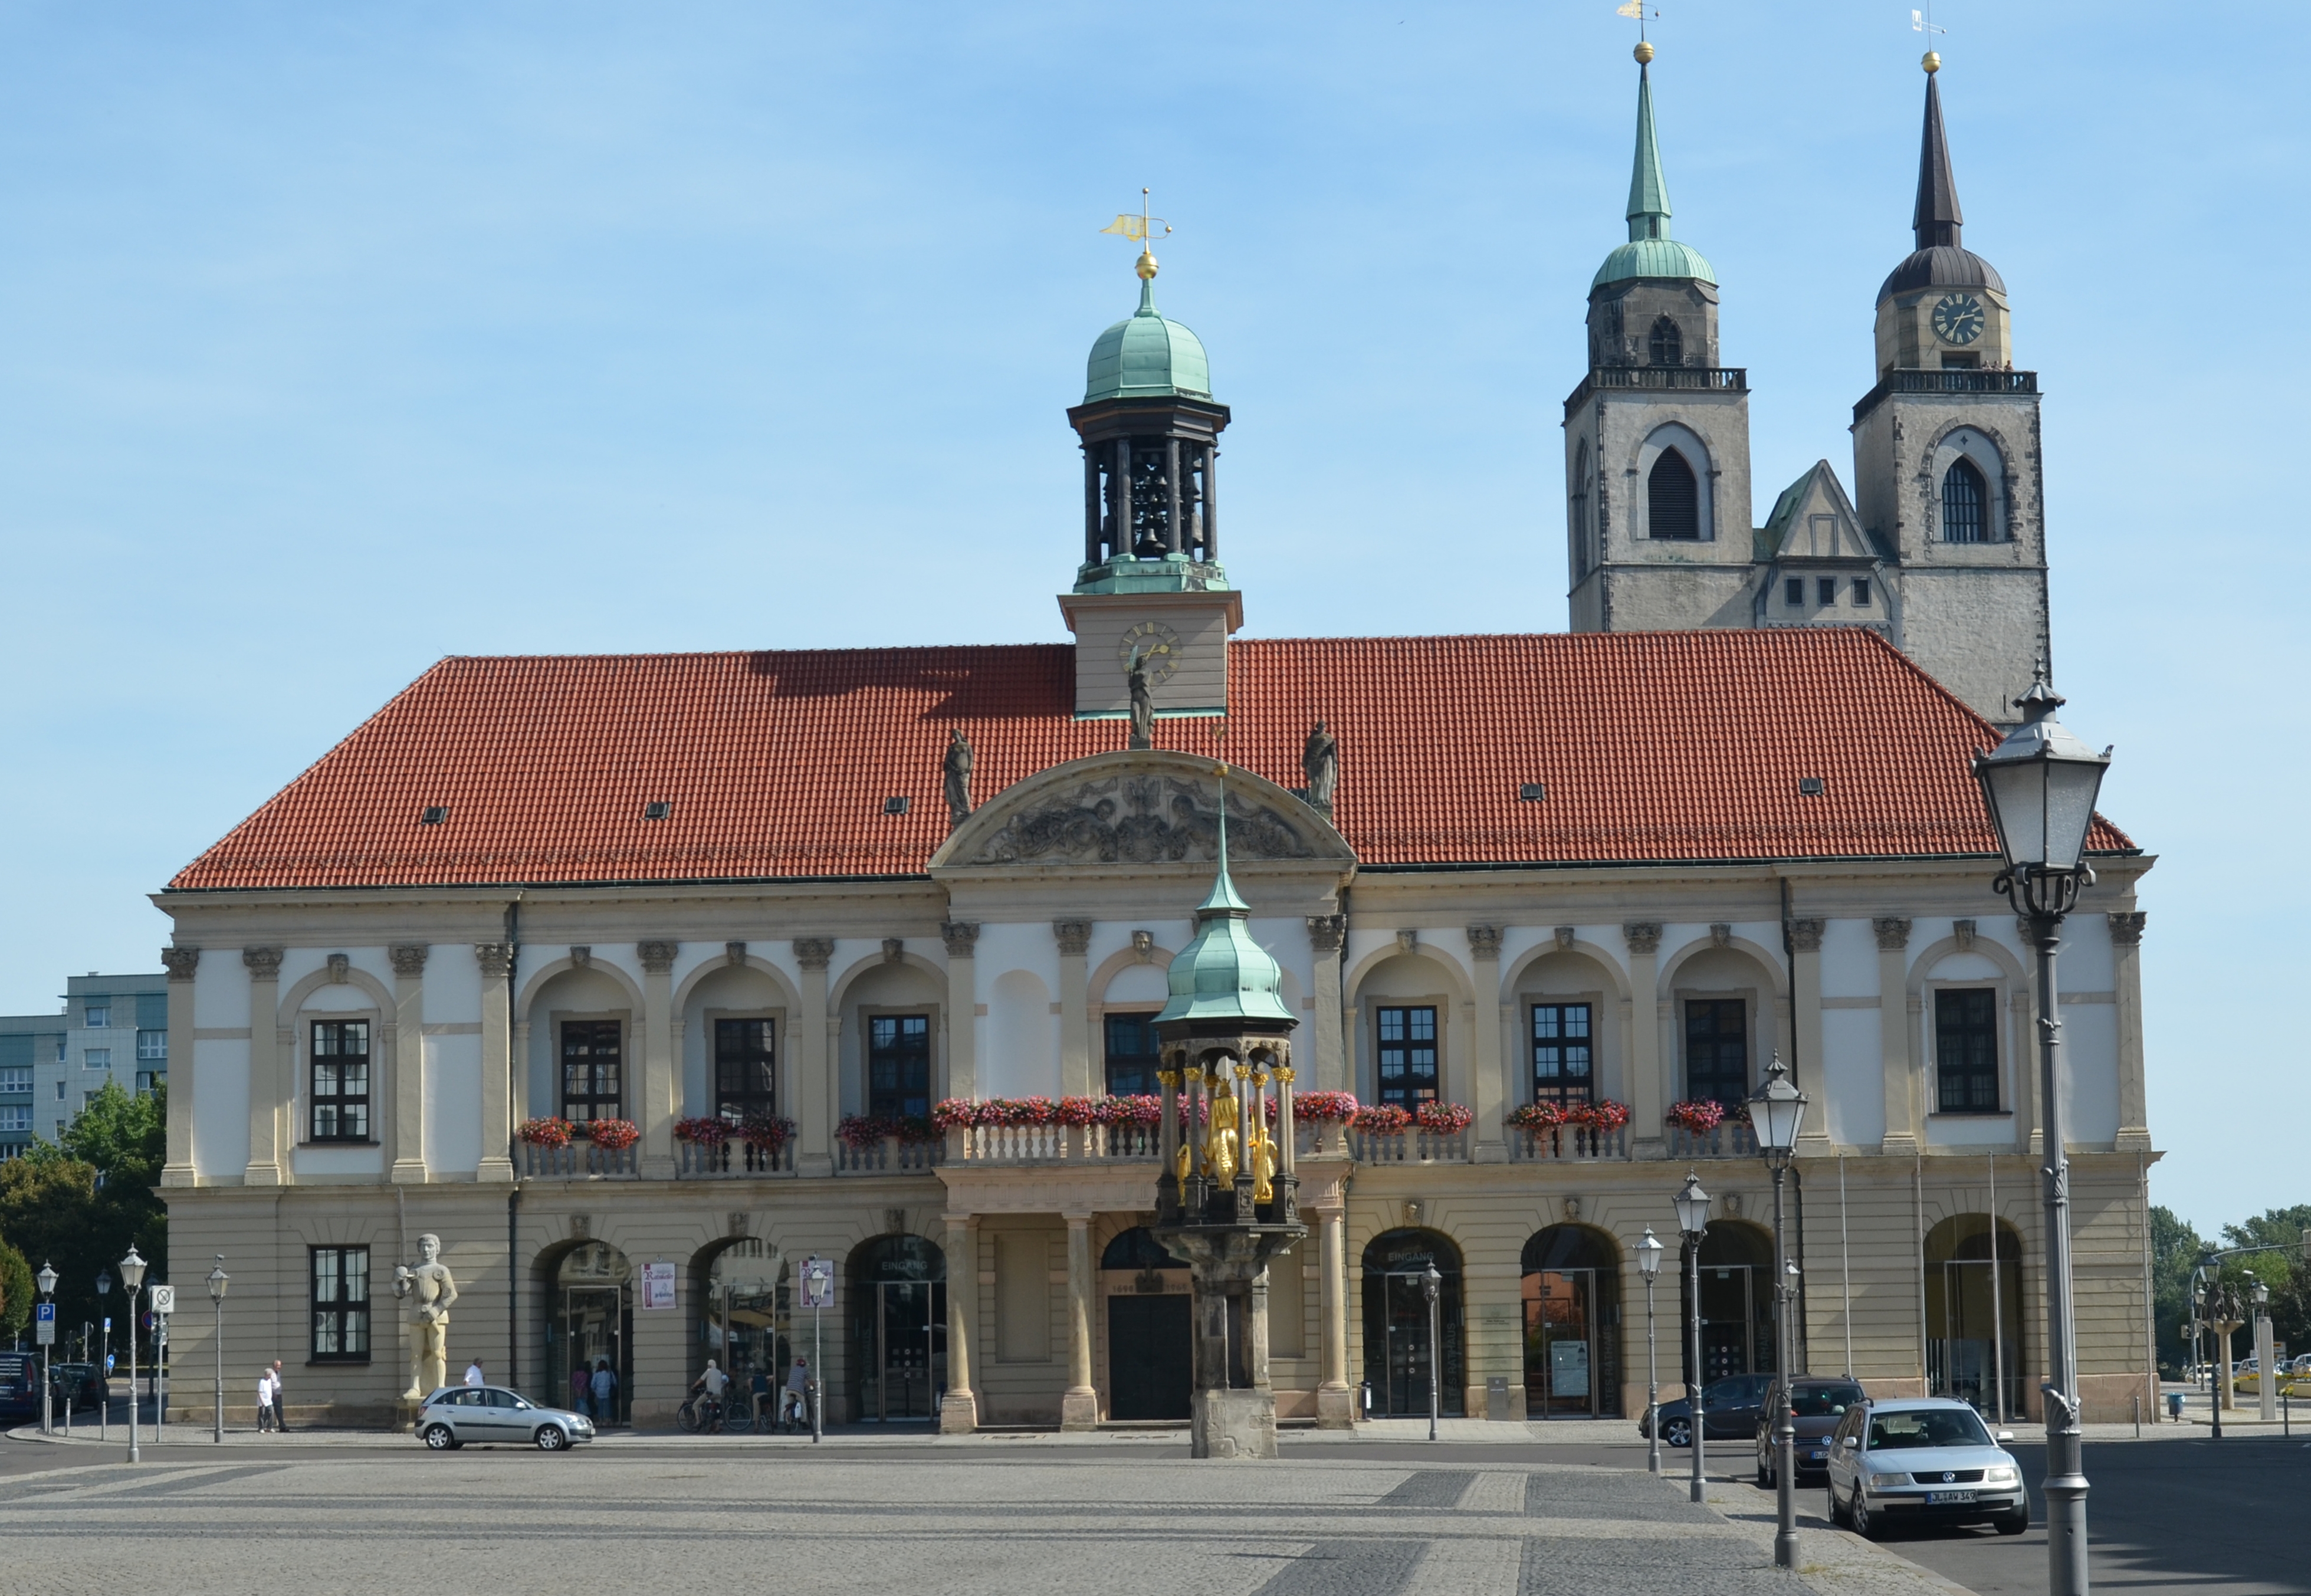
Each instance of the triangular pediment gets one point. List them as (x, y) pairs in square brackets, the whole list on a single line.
[(1814, 520)]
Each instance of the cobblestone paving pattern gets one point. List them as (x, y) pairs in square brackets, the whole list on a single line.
[(505, 1522)]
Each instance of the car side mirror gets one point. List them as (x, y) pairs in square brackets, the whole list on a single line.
[(1849, 1443), (2004, 1436)]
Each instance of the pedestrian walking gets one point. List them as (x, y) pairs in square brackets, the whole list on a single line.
[(581, 1390), (795, 1407), (264, 1401), (280, 1400), (759, 1392), (605, 1391), (474, 1375)]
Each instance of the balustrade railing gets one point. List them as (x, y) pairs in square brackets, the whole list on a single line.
[(1053, 1143), (1732, 1140), (889, 1156), (1948, 382), (1581, 1144), (701, 1160), (580, 1161), (1415, 1146), (1713, 379)]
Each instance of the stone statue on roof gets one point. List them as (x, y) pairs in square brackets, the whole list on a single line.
[(956, 771), (1143, 702), (1321, 763)]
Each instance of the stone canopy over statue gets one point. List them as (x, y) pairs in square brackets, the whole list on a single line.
[(429, 1289)]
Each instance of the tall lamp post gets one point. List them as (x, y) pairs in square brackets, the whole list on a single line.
[(1692, 1205), (46, 1280), (1776, 1110), (1429, 1285), (1649, 1251), (104, 1368), (217, 1281), (2266, 1377), (132, 1281), (2039, 786)]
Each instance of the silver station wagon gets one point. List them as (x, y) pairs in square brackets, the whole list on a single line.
[(1923, 1461), (461, 1414)]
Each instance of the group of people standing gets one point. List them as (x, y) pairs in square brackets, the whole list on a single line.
[(271, 1416), (594, 1391)]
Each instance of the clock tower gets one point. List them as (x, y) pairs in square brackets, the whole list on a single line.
[(1946, 455), (1150, 588)]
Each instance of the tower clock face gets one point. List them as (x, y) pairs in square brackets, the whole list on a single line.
[(1156, 645), (1957, 318)]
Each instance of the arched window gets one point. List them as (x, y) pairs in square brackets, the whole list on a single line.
[(1666, 345), (1966, 504), (1580, 512), (1672, 498)]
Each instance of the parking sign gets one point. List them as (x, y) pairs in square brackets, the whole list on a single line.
[(44, 1324), (817, 1282)]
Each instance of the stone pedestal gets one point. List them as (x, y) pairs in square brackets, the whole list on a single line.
[(958, 1413), (1336, 1409), (1233, 1424), (1079, 1410)]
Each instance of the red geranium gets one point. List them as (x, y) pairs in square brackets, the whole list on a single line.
[(1700, 1117), (1447, 1118), (1381, 1119), (614, 1135), (707, 1130), (1333, 1107), (548, 1132)]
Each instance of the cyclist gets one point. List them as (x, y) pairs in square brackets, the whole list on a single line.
[(713, 1384)]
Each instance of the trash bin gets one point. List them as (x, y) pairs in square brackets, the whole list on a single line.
[(2174, 1406)]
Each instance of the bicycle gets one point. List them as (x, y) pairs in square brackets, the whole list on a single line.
[(699, 1413)]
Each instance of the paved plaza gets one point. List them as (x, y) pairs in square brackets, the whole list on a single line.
[(1001, 1520)]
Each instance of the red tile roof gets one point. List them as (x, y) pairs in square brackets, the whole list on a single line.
[(1684, 745)]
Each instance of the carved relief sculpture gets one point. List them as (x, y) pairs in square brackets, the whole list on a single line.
[(1140, 820), (1643, 936), (431, 1290)]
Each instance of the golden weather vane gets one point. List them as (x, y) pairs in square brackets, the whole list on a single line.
[(1640, 10), (1140, 229), (1923, 22)]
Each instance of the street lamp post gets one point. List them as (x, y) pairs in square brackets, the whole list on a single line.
[(1692, 1205), (2039, 786), (46, 1280), (132, 1281), (1649, 1255), (217, 1281), (104, 1365), (2266, 1377), (1429, 1285), (1775, 1112)]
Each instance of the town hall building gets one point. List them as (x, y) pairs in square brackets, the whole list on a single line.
[(637, 980)]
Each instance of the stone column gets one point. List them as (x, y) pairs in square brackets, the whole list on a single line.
[(270, 1098), (1335, 1406), (962, 938), (2126, 968), (181, 1168), (1075, 1068), (1893, 1029), (1647, 1101), (1079, 1407), (408, 1061), (815, 1096), (498, 1062), (661, 1046), (1326, 933), (1806, 1032), (1491, 1083), (1172, 540), (959, 1408)]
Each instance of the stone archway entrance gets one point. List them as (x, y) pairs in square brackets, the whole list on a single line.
[(1572, 1292), (1967, 1293), (898, 1330), (1396, 1324), (1737, 1301), (590, 1324), (1150, 1347)]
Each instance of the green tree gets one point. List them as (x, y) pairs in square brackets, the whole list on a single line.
[(79, 1204), (2176, 1250), (17, 1293), (2284, 1270)]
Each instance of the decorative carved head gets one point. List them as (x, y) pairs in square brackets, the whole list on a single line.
[(1143, 946), (1564, 937), (1408, 938), (895, 948), (581, 956), (341, 968)]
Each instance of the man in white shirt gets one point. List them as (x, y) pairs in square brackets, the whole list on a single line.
[(264, 1401), (474, 1375)]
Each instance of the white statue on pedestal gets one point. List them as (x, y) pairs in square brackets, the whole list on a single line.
[(433, 1289)]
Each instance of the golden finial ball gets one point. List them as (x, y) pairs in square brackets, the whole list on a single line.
[(1932, 61), (1146, 265), (1643, 53)]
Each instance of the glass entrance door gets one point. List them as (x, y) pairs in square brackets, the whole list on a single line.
[(902, 1349), (593, 1328), (1961, 1360), (1565, 1372), (1731, 1341)]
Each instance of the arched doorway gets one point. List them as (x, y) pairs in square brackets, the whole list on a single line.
[(744, 1299), (1150, 1354), (1737, 1302), (1396, 1324), (590, 1328), (1572, 1324), (1967, 1290), (898, 1330)]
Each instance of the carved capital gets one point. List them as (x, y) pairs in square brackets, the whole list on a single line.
[(408, 959), (180, 962), (961, 937), (1074, 937), (2126, 929), (1720, 933), (264, 963), (814, 952), (1643, 936), (1484, 941), (1326, 932), (495, 958), (1805, 934), (341, 968), (656, 957), (1893, 932)]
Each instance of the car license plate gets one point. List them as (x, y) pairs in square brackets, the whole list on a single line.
[(1818, 1457), (1947, 1498)]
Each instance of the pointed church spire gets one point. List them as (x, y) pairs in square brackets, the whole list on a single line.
[(1648, 191), (1937, 219)]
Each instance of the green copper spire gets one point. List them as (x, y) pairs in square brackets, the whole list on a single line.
[(1648, 190), (1223, 974)]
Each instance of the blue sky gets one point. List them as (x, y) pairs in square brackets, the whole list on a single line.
[(340, 338)]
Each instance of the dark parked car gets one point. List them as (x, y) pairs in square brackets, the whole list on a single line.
[(1729, 1406), (81, 1384), (1820, 1403)]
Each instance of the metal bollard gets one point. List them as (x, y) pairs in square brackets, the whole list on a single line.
[(2138, 1416)]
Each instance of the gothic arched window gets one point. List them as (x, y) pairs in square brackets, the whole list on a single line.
[(1965, 502), (1580, 512), (1672, 498), (1667, 344)]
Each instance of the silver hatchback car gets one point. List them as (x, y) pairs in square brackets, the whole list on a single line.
[(1923, 1461), (456, 1415)]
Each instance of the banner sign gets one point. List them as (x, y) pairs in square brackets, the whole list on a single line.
[(657, 1286), (817, 1282)]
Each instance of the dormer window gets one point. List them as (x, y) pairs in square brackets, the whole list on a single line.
[(1666, 345)]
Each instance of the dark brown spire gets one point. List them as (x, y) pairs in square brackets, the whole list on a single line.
[(1937, 219)]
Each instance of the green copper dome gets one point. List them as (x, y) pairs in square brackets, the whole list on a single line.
[(1223, 974), (1145, 357), (1650, 252)]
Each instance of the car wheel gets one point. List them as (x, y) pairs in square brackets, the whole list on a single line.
[(1865, 1524), (1678, 1432), (2014, 1524), (550, 1438), (441, 1438)]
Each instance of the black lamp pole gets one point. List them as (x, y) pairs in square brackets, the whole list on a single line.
[(1692, 1205)]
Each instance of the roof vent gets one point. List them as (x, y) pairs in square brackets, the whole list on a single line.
[(658, 811), (896, 805), (1531, 792), (434, 814), (1811, 787)]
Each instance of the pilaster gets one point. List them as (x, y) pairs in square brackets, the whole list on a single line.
[(662, 1081), (961, 939), (181, 1169), (1074, 937), (1805, 1026), (1326, 934), (1079, 1406), (268, 1102), (1491, 1084), (1335, 1403), (1895, 1027), (2127, 965), (1648, 1082), (813, 1074), (496, 960), (408, 1167)]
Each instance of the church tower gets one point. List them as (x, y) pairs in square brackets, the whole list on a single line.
[(1945, 456), (1657, 435), (1151, 586)]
